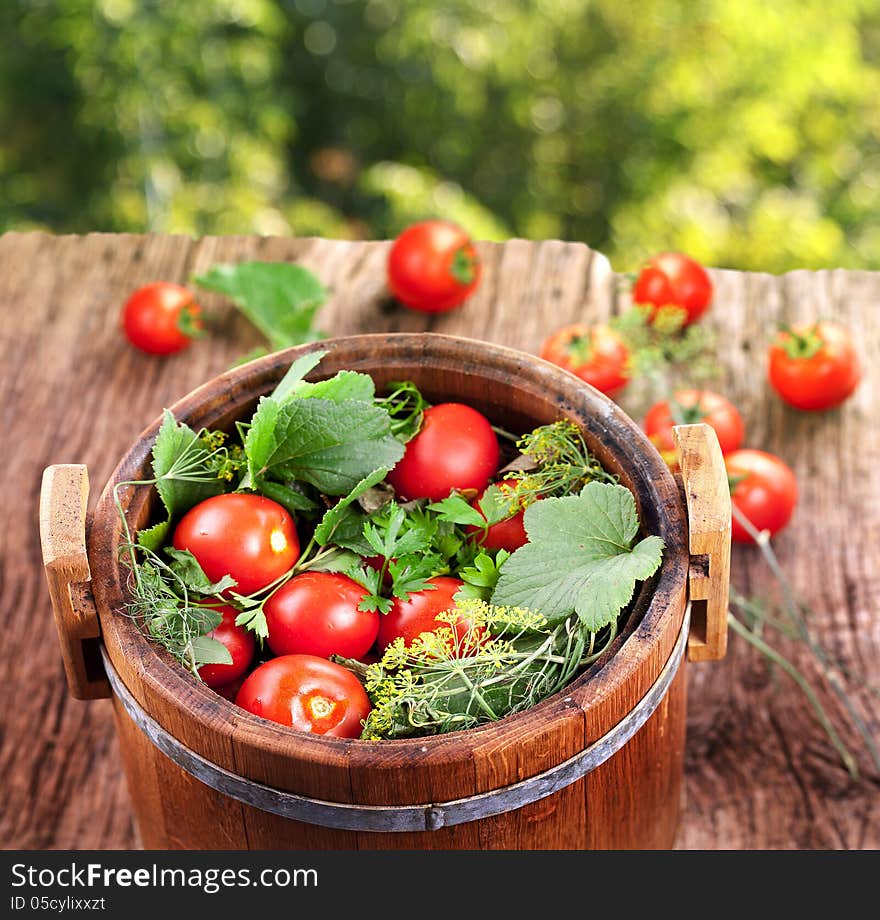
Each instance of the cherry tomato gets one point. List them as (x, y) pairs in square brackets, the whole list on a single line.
[(763, 489), (306, 692), (433, 266), (241, 645), (509, 534), (596, 354), (316, 613), (456, 448), (161, 318), (418, 614), (687, 407), (674, 279), (249, 537), (814, 367)]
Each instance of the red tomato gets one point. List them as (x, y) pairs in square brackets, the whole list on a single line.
[(455, 449), (161, 318), (596, 354), (764, 490), (674, 279), (433, 266), (509, 534), (412, 617), (688, 407), (249, 537), (375, 562), (814, 367), (308, 693), (241, 645), (316, 613)]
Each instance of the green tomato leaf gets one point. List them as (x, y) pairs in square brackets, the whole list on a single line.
[(291, 499), (208, 650), (154, 537), (184, 476), (186, 567), (332, 445), (579, 558), (338, 560), (324, 531), (181, 467), (457, 511), (279, 298), (345, 385), (293, 378), (348, 532)]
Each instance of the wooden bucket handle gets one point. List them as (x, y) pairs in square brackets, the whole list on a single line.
[(63, 500), (707, 494)]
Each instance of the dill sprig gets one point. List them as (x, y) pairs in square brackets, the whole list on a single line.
[(166, 610), (559, 463), (406, 407), (486, 663)]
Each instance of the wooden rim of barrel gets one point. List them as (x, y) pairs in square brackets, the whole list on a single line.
[(516, 388)]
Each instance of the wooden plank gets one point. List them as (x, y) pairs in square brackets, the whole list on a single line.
[(759, 770), (707, 494)]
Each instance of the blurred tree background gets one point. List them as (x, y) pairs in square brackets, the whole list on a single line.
[(743, 132)]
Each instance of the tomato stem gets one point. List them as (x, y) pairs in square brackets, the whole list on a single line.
[(686, 415), (802, 345), (580, 349), (189, 323), (464, 264)]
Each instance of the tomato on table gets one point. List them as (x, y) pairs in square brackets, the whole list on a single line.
[(161, 318), (673, 279), (596, 354), (455, 448), (308, 693), (763, 489), (410, 618), (316, 613), (247, 536), (509, 534), (241, 645), (433, 266), (688, 407), (814, 366)]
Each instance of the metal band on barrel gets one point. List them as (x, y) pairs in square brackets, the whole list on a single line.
[(389, 818)]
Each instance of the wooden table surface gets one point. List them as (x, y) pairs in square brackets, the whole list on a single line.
[(760, 772)]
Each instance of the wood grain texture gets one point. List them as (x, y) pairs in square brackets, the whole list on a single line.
[(759, 772), (706, 491)]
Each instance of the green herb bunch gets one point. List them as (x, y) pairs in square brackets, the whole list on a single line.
[(487, 662), (522, 624)]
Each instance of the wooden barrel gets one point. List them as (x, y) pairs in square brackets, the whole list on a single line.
[(597, 766)]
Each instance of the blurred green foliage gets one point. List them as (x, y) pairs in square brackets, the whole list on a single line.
[(746, 133)]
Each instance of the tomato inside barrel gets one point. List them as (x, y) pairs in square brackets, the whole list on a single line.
[(379, 565)]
